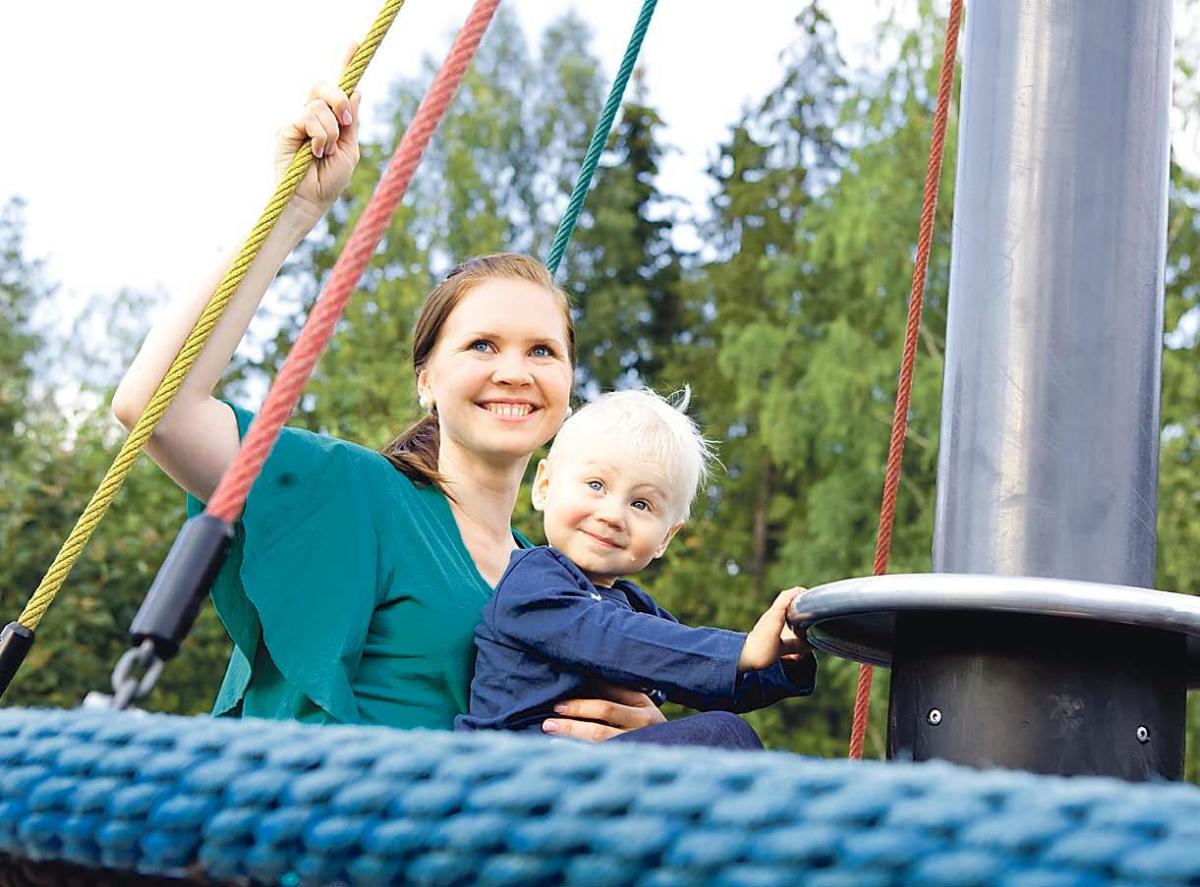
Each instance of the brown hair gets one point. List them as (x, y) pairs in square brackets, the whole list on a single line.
[(415, 450)]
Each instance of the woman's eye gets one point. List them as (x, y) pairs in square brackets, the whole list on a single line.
[(596, 486), (483, 346), (542, 351)]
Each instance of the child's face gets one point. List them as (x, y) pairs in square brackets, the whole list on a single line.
[(608, 510)]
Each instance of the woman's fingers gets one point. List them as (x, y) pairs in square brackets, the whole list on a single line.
[(349, 133), (628, 709), (321, 127), (602, 710), (333, 97), (588, 731), (625, 696)]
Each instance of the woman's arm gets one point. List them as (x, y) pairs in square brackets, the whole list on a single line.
[(197, 438)]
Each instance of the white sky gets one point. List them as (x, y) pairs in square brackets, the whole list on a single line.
[(140, 131)]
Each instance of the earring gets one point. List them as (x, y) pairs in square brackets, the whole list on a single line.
[(424, 402)]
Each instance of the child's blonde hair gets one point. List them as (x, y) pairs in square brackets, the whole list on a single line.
[(648, 423)]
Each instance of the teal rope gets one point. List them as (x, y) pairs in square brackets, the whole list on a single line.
[(599, 138)]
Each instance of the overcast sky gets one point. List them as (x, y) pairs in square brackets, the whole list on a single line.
[(139, 131)]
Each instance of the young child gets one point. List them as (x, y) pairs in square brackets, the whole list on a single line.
[(614, 490)]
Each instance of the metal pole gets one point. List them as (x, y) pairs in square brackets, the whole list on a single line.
[(1049, 445)]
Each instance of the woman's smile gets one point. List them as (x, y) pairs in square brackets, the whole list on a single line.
[(509, 410)]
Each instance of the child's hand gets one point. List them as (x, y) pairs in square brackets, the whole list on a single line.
[(772, 638)]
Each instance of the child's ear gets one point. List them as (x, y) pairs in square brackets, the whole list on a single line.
[(662, 549), (541, 485)]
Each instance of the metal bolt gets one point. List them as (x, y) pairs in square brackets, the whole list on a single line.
[(1143, 734), (934, 717)]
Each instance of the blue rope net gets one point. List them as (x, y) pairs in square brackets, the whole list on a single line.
[(279, 803)]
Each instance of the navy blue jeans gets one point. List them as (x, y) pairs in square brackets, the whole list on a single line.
[(715, 729)]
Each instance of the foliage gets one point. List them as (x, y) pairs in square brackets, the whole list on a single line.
[(49, 468), (21, 288)]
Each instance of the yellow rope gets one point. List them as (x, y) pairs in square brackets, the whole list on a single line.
[(169, 387)]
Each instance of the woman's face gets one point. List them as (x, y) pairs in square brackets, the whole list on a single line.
[(500, 374)]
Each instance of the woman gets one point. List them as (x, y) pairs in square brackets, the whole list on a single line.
[(356, 578)]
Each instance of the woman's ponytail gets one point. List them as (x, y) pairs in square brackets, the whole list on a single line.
[(415, 452)]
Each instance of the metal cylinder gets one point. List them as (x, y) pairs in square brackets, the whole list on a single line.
[(1049, 446), (1048, 456)]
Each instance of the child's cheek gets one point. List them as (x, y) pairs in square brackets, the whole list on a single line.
[(575, 514)]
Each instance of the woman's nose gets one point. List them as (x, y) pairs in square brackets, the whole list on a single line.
[(512, 369)]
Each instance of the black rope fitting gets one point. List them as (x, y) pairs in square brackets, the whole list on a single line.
[(166, 615), (15, 642)]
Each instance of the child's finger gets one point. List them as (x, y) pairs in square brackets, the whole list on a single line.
[(794, 648), (784, 599), (779, 606)]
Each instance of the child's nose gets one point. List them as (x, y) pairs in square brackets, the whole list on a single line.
[(610, 512)]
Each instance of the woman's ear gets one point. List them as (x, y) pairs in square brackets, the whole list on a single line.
[(425, 390), (541, 485), (662, 549)]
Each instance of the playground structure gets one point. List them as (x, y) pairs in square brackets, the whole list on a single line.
[(1048, 467)]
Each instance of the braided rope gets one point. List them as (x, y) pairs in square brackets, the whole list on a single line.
[(230, 496), (257, 801), (599, 137), (891, 483), (92, 514)]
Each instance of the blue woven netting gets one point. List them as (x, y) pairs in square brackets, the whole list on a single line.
[(279, 803)]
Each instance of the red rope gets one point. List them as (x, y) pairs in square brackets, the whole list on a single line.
[(891, 483), (230, 496)]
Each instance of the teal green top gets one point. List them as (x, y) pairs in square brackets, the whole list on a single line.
[(348, 592)]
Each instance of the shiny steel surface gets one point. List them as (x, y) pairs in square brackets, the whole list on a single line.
[(1050, 414), (855, 618)]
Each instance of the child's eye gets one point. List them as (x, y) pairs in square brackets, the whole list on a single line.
[(595, 486), (641, 504), (481, 346)]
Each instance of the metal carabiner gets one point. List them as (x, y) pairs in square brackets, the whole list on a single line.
[(125, 683)]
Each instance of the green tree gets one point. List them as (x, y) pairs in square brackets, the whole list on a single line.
[(54, 454), (795, 365), (1179, 490), (21, 289)]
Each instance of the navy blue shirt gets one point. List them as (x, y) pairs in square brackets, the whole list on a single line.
[(548, 634)]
